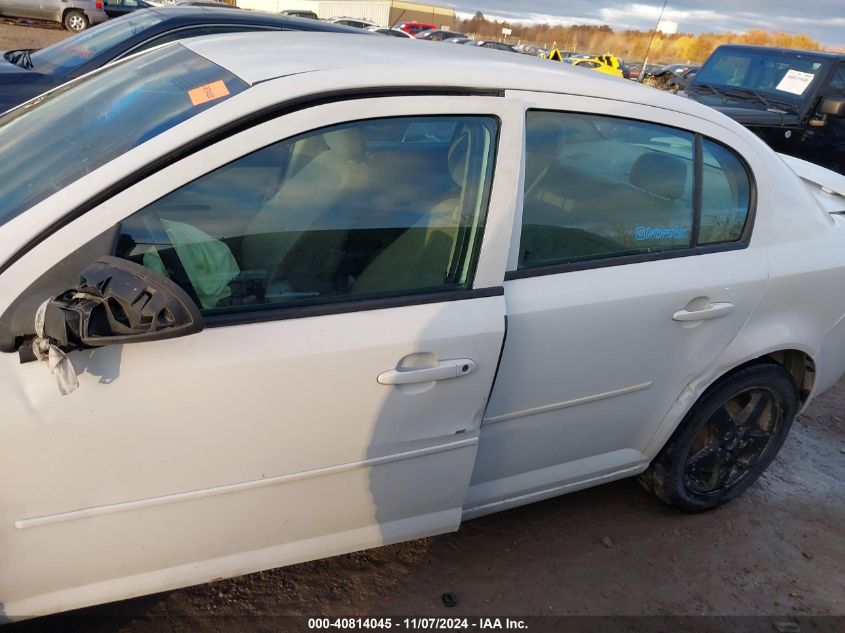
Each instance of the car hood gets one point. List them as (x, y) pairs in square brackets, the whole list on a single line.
[(756, 116)]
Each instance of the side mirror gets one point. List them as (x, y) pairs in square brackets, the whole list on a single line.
[(118, 301), (833, 107)]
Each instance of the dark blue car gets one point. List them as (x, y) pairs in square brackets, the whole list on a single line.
[(28, 73)]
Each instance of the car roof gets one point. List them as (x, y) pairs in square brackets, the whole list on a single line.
[(177, 14), (259, 57), (779, 50)]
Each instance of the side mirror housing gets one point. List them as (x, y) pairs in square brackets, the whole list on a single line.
[(118, 301), (833, 107)]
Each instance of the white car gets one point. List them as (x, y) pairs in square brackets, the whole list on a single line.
[(299, 305)]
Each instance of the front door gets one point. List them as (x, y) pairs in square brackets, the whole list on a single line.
[(333, 401)]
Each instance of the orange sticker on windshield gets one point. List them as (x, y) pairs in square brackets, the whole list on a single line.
[(208, 92)]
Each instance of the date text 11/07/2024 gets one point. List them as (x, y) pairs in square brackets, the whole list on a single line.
[(429, 624)]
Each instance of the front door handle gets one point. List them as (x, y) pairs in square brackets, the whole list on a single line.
[(445, 370), (715, 311)]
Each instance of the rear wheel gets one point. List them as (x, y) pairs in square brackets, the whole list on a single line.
[(726, 441), (75, 21)]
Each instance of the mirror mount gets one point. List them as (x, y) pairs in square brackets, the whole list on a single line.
[(833, 107), (118, 301)]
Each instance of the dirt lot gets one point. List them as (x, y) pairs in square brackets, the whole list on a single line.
[(777, 551), (15, 34)]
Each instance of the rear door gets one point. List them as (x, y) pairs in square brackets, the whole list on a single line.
[(334, 400), (634, 269)]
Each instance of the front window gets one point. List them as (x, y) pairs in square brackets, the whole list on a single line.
[(368, 209), (765, 76), (60, 137), (66, 56)]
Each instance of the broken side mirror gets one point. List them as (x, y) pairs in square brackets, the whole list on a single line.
[(833, 107), (118, 301)]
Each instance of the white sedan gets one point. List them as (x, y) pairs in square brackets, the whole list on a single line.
[(298, 305)]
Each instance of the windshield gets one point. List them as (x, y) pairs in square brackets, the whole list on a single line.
[(48, 143), (783, 77), (68, 55)]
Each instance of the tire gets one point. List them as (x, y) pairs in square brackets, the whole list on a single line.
[(75, 21), (726, 441)]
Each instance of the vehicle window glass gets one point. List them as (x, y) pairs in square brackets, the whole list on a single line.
[(42, 149), (71, 53), (725, 195), (781, 76), (837, 84), (333, 215), (599, 187), (182, 34)]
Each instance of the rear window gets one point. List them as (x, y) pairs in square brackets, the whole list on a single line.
[(48, 143)]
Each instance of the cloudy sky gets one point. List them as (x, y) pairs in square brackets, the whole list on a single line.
[(823, 20)]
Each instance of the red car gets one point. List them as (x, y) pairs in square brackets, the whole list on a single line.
[(416, 27)]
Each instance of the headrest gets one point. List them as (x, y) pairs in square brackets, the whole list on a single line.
[(458, 155), (660, 175), (347, 142)]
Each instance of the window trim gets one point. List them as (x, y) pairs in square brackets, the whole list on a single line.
[(279, 312), (693, 250)]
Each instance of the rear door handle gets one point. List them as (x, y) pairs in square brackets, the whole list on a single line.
[(445, 370), (715, 311)]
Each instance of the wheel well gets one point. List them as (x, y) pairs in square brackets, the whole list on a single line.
[(71, 10), (800, 366)]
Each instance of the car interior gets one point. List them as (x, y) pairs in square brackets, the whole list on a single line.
[(366, 209)]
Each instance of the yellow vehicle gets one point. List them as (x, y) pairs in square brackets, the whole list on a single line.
[(607, 64)]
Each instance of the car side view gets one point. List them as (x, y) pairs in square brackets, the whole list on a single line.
[(275, 307), (74, 15)]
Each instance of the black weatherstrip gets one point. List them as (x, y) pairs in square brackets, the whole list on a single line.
[(234, 127), (283, 313)]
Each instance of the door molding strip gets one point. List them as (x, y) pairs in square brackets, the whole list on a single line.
[(125, 506), (566, 404)]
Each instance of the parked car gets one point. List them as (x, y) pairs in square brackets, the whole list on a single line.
[(794, 100), (28, 73), (459, 40), (357, 23), (679, 82), (75, 15), (415, 27), (438, 35), (274, 292), (392, 32), (630, 70), (498, 46), (607, 64), (300, 13)]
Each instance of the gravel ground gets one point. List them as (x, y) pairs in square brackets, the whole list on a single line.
[(778, 550), (15, 34)]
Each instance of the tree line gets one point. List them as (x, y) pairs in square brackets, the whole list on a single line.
[(632, 45)]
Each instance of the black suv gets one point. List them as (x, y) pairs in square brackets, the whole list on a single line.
[(794, 100)]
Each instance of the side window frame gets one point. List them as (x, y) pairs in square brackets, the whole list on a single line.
[(514, 272)]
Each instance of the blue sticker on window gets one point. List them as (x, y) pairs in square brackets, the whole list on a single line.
[(642, 233)]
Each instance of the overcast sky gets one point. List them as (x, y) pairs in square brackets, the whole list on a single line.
[(823, 20)]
